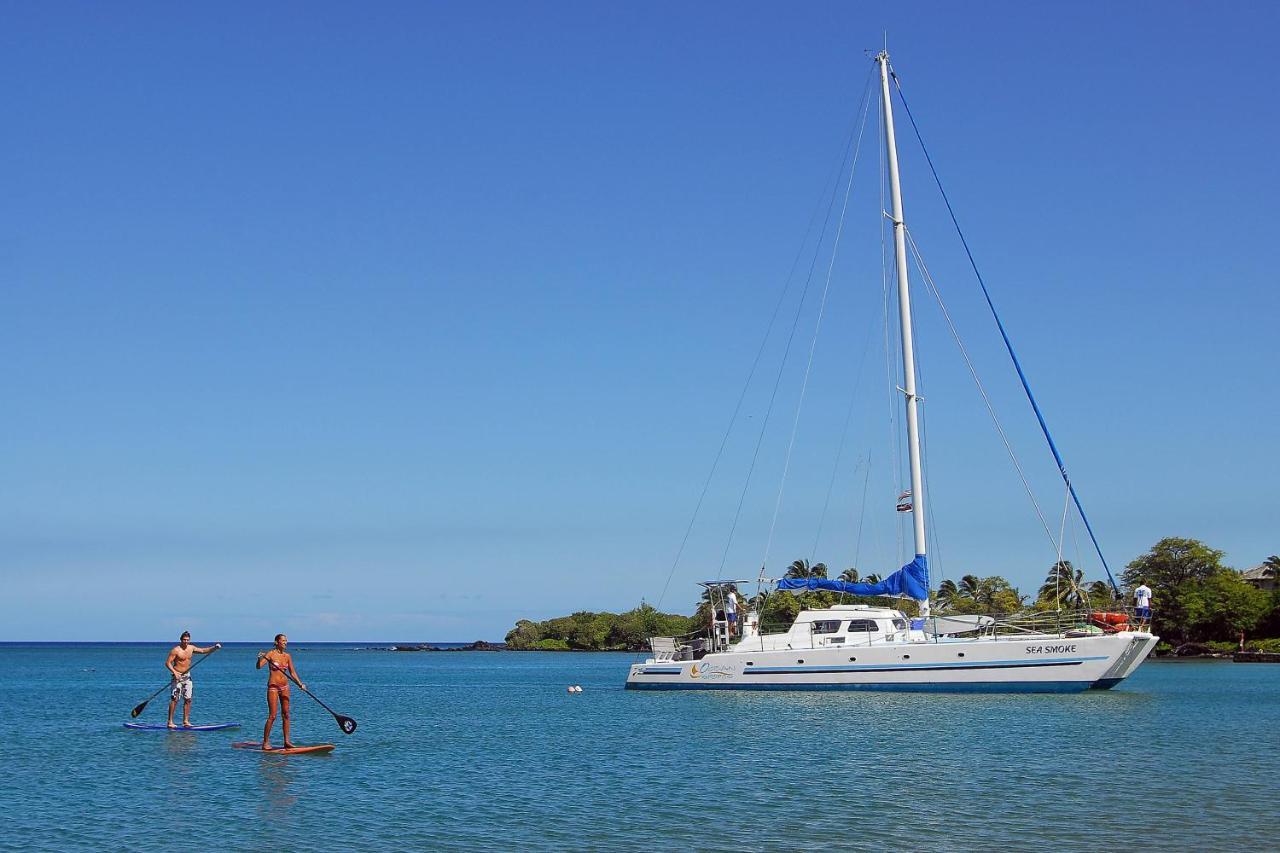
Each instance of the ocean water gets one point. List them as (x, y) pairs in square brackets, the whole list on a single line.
[(486, 750)]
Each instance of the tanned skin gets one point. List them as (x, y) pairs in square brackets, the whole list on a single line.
[(281, 667), (178, 662)]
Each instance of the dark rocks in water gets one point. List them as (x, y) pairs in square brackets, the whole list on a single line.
[(481, 646), (1256, 657), (1198, 650), (477, 646)]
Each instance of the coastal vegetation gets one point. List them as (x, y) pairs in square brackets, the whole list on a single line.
[(589, 631), (1197, 600)]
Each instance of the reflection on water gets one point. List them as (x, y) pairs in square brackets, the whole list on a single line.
[(482, 750), (179, 746), (276, 779)]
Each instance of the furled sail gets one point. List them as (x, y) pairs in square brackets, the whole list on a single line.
[(912, 580)]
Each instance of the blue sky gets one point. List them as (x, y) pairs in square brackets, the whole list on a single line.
[(407, 321)]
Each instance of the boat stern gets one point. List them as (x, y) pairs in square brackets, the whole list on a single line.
[(1141, 644)]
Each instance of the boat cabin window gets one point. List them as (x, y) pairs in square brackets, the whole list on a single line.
[(826, 627), (866, 626), (900, 624)]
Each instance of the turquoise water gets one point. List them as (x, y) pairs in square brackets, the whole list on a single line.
[(473, 750)]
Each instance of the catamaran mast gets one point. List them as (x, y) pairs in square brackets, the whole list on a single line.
[(904, 315)]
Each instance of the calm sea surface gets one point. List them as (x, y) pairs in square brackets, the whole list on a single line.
[(474, 750)]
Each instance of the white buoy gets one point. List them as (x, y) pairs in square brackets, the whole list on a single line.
[(569, 689), (577, 688)]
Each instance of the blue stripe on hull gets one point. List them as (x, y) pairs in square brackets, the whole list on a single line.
[(915, 667), (971, 687)]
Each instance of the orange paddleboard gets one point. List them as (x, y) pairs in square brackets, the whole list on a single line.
[(293, 750)]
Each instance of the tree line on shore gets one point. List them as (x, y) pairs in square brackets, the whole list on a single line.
[(1196, 599)]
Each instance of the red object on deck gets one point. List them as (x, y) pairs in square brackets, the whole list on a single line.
[(1110, 622)]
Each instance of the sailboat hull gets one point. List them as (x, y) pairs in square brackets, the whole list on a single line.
[(1043, 664)]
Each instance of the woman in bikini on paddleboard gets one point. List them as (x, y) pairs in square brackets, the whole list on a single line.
[(280, 667)]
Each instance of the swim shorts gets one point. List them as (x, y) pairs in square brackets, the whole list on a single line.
[(181, 688)]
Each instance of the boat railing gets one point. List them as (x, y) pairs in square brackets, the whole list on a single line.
[(1110, 619), (690, 646)]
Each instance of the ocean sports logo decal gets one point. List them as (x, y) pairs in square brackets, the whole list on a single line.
[(711, 671)]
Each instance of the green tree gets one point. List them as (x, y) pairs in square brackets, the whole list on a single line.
[(1224, 605), (779, 611), (1174, 568), (946, 596), (1173, 561), (599, 631), (1062, 588), (525, 635), (801, 569), (1101, 594), (849, 575), (997, 597)]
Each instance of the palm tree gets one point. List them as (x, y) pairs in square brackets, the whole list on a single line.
[(1061, 586), (947, 594), (970, 587), (1100, 592), (802, 569), (1272, 562), (849, 575), (872, 578)]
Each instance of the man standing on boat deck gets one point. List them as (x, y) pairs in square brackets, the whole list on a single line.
[(1142, 600), (179, 665), (731, 610)]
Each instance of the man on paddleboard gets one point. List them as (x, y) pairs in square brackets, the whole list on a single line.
[(179, 663), (280, 667)]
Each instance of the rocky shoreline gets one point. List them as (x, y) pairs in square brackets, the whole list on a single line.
[(477, 646), (1200, 651)]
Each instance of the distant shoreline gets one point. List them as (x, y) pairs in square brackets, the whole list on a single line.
[(252, 644)]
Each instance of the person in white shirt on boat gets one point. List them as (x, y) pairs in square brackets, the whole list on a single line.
[(1142, 602), (731, 610)]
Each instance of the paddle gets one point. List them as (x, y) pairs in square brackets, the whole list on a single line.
[(347, 724), (137, 709)]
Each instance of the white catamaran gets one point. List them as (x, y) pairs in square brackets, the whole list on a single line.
[(850, 647)]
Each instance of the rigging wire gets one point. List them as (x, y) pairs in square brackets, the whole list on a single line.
[(890, 364), (778, 378), (755, 363), (973, 371), (1026, 385), (844, 435), (935, 550), (1062, 533), (817, 328), (862, 512)]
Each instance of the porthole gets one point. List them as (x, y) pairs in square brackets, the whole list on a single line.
[(962, 654), (800, 661), (852, 659), (906, 657), (753, 663)]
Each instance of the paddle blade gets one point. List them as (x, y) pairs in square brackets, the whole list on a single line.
[(347, 724), (137, 709)]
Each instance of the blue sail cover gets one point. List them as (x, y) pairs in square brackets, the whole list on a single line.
[(912, 580)]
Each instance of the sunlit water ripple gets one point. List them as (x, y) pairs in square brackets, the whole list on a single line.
[(486, 750)]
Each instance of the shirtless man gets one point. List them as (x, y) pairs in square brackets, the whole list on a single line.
[(179, 663), (281, 667)]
